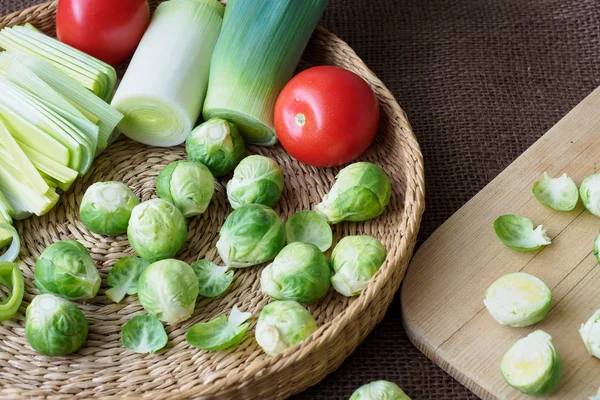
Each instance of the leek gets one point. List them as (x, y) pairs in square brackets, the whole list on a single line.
[(79, 97), (92, 73), (6, 213), (257, 53), (162, 92), (53, 173)]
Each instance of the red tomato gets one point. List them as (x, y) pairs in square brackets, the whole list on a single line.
[(326, 116), (106, 29)]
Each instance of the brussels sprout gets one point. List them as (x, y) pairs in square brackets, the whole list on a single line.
[(187, 184), (361, 192), (518, 299), (106, 208), (12, 278), (144, 334), (256, 180), (379, 390), (213, 280), (216, 144), (252, 234), (221, 333), (355, 260), (518, 233), (66, 269), (590, 334), (596, 397), (55, 326), (309, 227), (168, 290), (590, 193), (157, 230), (123, 277), (560, 194), (283, 324), (300, 272), (532, 365)]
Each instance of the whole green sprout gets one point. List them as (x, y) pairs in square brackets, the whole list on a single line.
[(379, 390), (361, 192), (106, 208), (256, 180)]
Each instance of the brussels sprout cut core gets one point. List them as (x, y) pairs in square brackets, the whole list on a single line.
[(221, 333), (309, 227), (518, 299), (256, 180), (379, 390), (560, 194), (590, 334), (106, 208), (144, 334), (590, 193), (213, 280), (518, 233), (532, 365)]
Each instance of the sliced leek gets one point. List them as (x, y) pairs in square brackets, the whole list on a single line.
[(6, 213), (59, 175), (90, 72), (256, 55), (162, 92)]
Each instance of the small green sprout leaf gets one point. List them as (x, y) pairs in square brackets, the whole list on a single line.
[(220, 333), (560, 194), (518, 233), (532, 365), (309, 227), (144, 334), (590, 193), (213, 280), (518, 299), (123, 277)]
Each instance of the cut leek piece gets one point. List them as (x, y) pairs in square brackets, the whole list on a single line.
[(90, 72), (12, 252), (61, 176), (162, 92), (6, 211), (11, 277), (518, 299), (532, 365), (253, 60), (78, 96)]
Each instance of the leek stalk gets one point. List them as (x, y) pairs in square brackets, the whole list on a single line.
[(162, 92), (6, 213), (256, 55)]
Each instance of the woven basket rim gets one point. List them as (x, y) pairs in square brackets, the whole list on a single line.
[(406, 236)]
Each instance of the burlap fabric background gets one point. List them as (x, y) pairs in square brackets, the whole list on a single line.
[(481, 80)]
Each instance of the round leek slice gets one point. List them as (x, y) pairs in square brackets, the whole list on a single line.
[(590, 193), (560, 194), (590, 334), (517, 233), (221, 333), (12, 278), (518, 299), (532, 365), (12, 252)]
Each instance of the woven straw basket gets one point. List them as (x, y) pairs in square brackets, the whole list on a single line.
[(104, 368)]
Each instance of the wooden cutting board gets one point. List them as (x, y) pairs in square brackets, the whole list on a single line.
[(442, 295)]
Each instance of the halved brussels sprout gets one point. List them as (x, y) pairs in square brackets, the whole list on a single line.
[(518, 299), (379, 390), (123, 277), (66, 269), (187, 184), (12, 252), (355, 260), (590, 193), (517, 233), (283, 324), (217, 144), (597, 248), (590, 334), (106, 208), (361, 192), (55, 326), (157, 230), (532, 365), (252, 234), (12, 278), (309, 227), (144, 334), (300, 272), (256, 180), (560, 194), (221, 333), (168, 290), (213, 280)]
